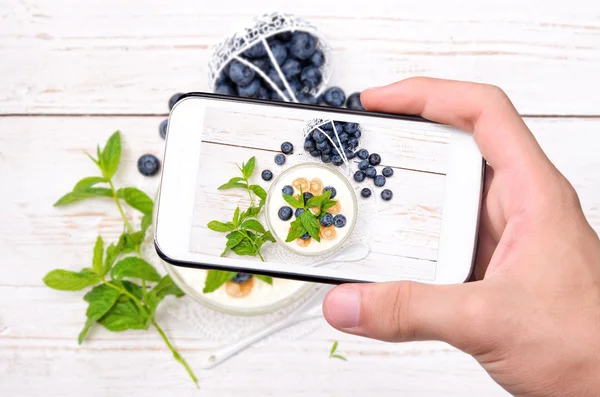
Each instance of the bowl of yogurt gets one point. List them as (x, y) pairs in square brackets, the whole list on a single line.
[(335, 223)]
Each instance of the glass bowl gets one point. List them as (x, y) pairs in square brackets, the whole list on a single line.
[(325, 173)]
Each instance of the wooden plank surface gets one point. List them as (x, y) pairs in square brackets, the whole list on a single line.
[(106, 57)]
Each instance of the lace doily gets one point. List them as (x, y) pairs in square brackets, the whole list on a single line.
[(261, 29)]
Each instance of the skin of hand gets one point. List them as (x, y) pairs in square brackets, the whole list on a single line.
[(531, 318)]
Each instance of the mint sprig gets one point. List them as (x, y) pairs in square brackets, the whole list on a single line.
[(115, 301), (333, 354), (308, 222)]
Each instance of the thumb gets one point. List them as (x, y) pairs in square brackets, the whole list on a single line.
[(409, 311)]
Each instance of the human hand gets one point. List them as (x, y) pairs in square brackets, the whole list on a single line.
[(532, 318)]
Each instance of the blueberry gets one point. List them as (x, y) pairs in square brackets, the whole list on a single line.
[(324, 147), (287, 189), (352, 143), (317, 59), (309, 144), (315, 153), (318, 136), (223, 78), (379, 180), (305, 236), (366, 192), (225, 89), (241, 277), (307, 196), (279, 159), (363, 154), (266, 175), (363, 164), (263, 93), (275, 78), (339, 127), (351, 128), (387, 194), (285, 213), (349, 154), (263, 64), (291, 68), (357, 134), (162, 128), (387, 172), (336, 159), (305, 97), (287, 148), (343, 137), (359, 176), (334, 96), (174, 99), (328, 126), (240, 74), (326, 158), (284, 36), (374, 159), (295, 85), (256, 51), (310, 77), (339, 221), (354, 102), (279, 51), (298, 212), (302, 45), (148, 165), (332, 189), (371, 172), (326, 220), (250, 90)]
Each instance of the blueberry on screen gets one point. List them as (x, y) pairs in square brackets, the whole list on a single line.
[(318, 136), (326, 220), (309, 144), (298, 212), (285, 213), (302, 45), (174, 99), (352, 143), (266, 175), (263, 64), (241, 277), (371, 172), (291, 68), (225, 89), (273, 75), (363, 154), (363, 164), (240, 74), (332, 189), (148, 165), (359, 176), (379, 180), (324, 146), (280, 159), (250, 90), (279, 51), (326, 158), (317, 59), (386, 194), (337, 160), (162, 128), (305, 97), (365, 193), (310, 77), (354, 101), (387, 172), (256, 51), (334, 96), (307, 196), (374, 159), (287, 148), (287, 189), (315, 153), (351, 128), (305, 236), (339, 221)]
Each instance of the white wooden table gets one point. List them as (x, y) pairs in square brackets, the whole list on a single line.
[(72, 72)]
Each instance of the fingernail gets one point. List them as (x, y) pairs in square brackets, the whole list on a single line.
[(343, 307)]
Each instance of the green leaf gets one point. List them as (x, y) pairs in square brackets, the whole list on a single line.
[(124, 315), (65, 280), (135, 267), (311, 224), (101, 299), (327, 205), (253, 224), (137, 199), (338, 356), (112, 252), (234, 239), (245, 247), (237, 179), (233, 185), (296, 231), (111, 155), (266, 279), (216, 278), (132, 288), (236, 217), (293, 201), (253, 211), (248, 168), (88, 324), (318, 201), (220, 226), (98, 255), (146, 223), (99, 154), (88, 182), (93, 159), (83, 194), (333, 348), (267, 236), (259, 191), (165, 287)]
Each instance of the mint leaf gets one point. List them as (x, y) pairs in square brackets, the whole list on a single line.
[(234, 239), (332, 353), (86, 327), (318, 201), (311, 224), (83, 194), (216, 278), (220, 226), (132, 288), (253, 224), (135, 268), (65, 280), (253, 211), (98, 255), (236, 217), (293, 201), (248, 168), (327, 205), (99, 154), (137, 199), (296, 231), (93, 159), (124, 315), (233, 185), (146, 223), (165, 287), (101, 299), (266, 279), (112, 252), (244, 247), (111, 155), (88, 182), (267, 236), (259, 191)]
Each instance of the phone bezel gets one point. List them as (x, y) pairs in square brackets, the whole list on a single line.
[(185, 116)]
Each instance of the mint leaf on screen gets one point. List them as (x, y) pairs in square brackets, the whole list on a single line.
[(294, 202), (232, 185), (297, 230), (318, 201), (98, 256), (253, 224), (311, 224), (234, 238), (101, 299), (236, 217), (88, 182), (216, 278), (137, 199), (146, 223), (111, 155), (135, 267), (83, 194), (248, 168), (66, 280), (259, 191), (245, 247), (266, 279), (220, 226), (112, 252)]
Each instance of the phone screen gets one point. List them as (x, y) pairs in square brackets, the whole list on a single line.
[(346, 179)]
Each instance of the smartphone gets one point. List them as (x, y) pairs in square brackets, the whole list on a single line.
[(390, 197)]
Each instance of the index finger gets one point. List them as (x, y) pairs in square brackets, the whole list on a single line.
[(499, 131)]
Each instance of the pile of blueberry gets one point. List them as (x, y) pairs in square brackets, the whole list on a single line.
[(323, 142), (366, 169)]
